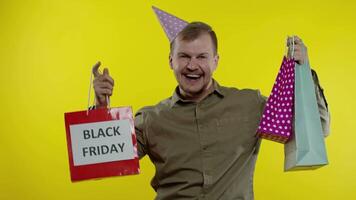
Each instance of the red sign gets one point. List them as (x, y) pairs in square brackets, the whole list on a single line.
[(101, 143)]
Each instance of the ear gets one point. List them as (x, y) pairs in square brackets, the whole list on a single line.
[(216, 61), (170, 61)]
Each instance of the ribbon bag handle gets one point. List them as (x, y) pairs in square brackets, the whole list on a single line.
[(286, 51), (89, 92)]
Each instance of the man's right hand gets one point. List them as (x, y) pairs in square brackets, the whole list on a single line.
[(103, 85)]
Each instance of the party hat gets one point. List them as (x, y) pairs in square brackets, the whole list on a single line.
[(171, 24)]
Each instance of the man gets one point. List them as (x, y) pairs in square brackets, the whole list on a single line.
[(202, 140)]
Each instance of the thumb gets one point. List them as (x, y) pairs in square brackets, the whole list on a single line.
[(106, 72), (95, 69)]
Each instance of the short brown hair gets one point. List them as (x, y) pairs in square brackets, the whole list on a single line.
[(193, 30)]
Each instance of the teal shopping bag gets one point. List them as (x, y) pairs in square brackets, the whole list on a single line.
[(306, 148)]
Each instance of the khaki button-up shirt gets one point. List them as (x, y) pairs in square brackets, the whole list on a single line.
[(204, 150)]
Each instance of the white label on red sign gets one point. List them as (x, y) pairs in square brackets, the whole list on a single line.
[(101, 142)]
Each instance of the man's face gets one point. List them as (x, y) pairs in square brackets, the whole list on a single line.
[(193, 63)]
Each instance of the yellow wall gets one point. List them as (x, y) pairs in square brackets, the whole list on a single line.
[(48, 47)]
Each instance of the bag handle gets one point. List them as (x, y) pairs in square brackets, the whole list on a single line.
[(286, 51)]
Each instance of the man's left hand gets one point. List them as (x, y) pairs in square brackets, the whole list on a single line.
[(300, 50)]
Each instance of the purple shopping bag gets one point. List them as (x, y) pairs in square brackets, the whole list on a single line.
[(277, 119)]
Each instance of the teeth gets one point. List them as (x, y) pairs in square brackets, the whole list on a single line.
[(193, 75)]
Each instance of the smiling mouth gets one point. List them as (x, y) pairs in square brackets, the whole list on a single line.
[(192, 76)]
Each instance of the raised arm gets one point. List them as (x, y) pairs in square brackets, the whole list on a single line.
[(301, 56)]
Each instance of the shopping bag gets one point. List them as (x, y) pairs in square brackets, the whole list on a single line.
[(101, 143), (277, 117), (306, 148)]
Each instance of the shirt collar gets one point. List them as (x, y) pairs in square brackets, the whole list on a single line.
[(177, 98)]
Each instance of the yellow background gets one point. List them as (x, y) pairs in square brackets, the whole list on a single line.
[(47, 49)]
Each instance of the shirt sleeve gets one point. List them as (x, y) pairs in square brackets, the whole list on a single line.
[(322, 105), (262, 103), (262, 100), (140, 134)]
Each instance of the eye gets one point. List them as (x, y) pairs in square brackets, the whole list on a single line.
[(183, 56), (201, 57)]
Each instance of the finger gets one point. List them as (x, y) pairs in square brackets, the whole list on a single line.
[(297, 40), (299, 57), (107, 76), (105, 85), (96, 68), (103, 92), (103, 78), (300, 48), (106, 72), (297, 48), (109, 79), (289, 41)]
